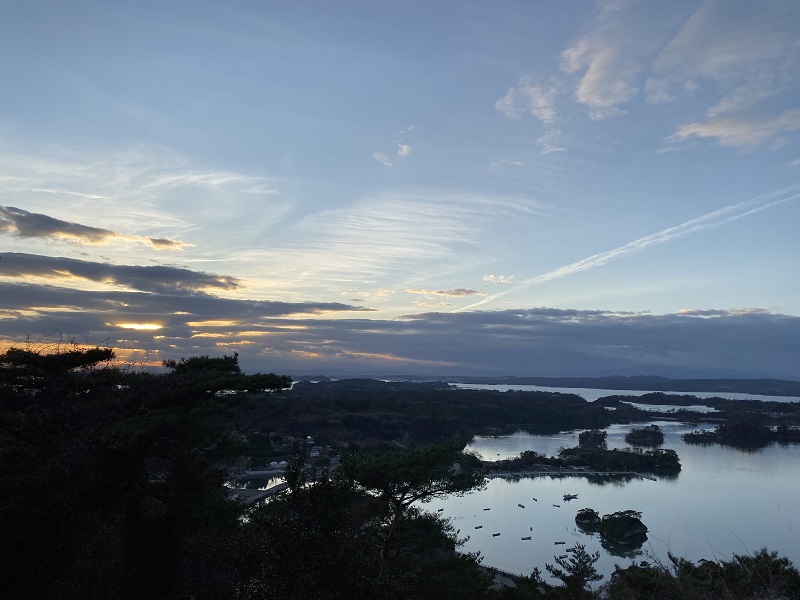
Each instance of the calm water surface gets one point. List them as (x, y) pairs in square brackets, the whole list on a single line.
[(724, 501)]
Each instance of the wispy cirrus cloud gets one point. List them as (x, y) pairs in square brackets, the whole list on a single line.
[(22, 223), (382, 158), (748, 57), (740, 54), (387, 240), (147, 193), (530, 96), (540, 100)]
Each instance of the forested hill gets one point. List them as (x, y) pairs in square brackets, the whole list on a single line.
[(765, 387)]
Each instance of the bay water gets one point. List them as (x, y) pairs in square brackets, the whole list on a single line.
[(724, 502)]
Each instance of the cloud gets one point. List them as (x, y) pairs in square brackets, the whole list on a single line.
[(740, 131), (538, 99), (54, 304), (741, 54), (25, 224), (608, 75), (563, 342), (146, 192), (153, 324), (530, 96), (458, 292), (502, 279), (382, 158), (747, 51), (431, 305), (712, 219), (497, 165), (160, 279), (406, 232), (539, 341)]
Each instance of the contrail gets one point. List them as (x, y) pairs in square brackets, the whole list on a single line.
[(707, 221)]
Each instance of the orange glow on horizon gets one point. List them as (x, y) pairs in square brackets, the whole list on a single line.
[(139, 326)]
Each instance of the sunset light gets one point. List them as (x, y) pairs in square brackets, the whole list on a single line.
[(140, 326)]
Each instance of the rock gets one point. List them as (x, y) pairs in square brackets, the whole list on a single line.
[(588, 518)]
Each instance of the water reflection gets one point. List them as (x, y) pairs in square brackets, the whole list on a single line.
[(630, 551), (256, 482), (724, 501)]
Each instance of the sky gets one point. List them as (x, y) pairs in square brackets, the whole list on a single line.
[(571, 188)]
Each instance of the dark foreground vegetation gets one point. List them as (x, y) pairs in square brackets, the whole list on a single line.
[(113, 486)]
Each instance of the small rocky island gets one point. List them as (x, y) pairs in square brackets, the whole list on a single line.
[(623, 528)]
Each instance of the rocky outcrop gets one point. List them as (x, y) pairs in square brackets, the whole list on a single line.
[(624, 528), (588, 519)]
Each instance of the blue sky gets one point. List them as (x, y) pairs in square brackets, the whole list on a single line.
[(534, 188)]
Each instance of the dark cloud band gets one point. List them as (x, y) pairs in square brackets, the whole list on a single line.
[(25, 224)]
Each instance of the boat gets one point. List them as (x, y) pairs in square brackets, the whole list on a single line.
[(535, 500), (557, 543), (440, 510), (563, 556), (568, 497), (527, 537), (495, 534), (478, 526), (557, 505), (521, 505), (570, 550), (487, 509)]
